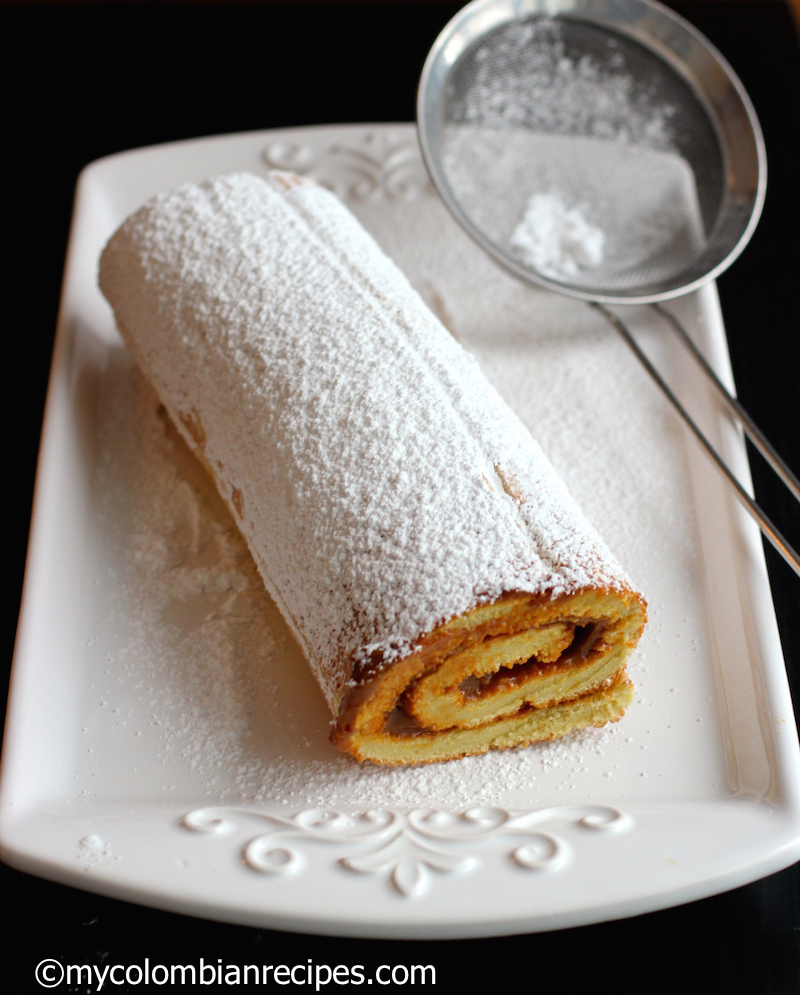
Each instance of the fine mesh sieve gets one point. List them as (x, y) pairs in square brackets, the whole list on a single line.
[(602, 149), (615, 112)]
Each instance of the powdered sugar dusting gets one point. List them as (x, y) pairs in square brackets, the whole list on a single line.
[(527, 74), (219, 699), (228, 711), (359, 446), (198, 638)]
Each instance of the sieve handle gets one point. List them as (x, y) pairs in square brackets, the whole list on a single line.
[(754, 433), (759, 440)]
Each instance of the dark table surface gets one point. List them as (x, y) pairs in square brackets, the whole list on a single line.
[(85, 80)]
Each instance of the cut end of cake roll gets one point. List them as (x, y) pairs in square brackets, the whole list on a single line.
[(520, 670)]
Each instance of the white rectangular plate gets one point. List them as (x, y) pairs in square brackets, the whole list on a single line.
[(166, 742)]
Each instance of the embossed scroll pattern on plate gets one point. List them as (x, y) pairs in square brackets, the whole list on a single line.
[(373, 166), (407, 846)]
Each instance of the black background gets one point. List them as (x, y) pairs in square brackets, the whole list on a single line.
[(85, 80)]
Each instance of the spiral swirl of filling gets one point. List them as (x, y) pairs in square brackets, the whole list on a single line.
[(522, 669)]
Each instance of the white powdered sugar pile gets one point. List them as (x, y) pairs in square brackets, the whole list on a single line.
[(93, 847), (382, 484), (615, 214), (557, 241)]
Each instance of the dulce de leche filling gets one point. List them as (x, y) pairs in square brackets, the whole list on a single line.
[(521, 655), (434, 703)]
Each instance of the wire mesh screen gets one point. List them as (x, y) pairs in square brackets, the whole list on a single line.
[(581, 154)]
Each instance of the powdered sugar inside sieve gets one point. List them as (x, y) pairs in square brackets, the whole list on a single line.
[(592, 133)]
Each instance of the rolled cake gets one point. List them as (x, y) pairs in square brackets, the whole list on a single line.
[(445, 589)]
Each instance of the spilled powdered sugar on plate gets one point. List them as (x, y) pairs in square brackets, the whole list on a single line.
[(93, 848)]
